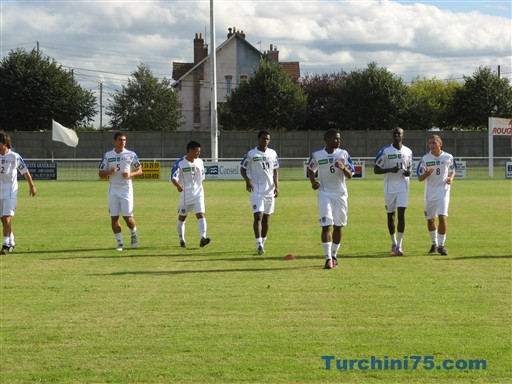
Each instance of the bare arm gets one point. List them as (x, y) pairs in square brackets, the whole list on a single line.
[(31, 187)]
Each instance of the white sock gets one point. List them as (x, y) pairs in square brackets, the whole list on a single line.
[(6, 240), (399, 239), (442, 239), (133, 231), (334, 249), (119, 237), (263, 239), (180, 227), (327, 250), (201, 224), (393, 238), (11, 239), (259, 242), (433, 236)]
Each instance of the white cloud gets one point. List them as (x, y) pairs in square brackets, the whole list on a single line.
[(409, 38)]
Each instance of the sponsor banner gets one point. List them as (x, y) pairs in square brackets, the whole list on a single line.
[(150, 170), (41, 171), (460, 173), (500, 127), (508, 170), (222, 170), (359, 170)]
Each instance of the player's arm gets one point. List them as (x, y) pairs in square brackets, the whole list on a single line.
[(248, 181), (137, 171), (346, 169), (451, 177), (276, 182), (423, 172), (105, 171), (31, 187), (314, 182)]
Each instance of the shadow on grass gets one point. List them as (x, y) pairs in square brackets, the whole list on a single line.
[(469, 257), (203, 271)]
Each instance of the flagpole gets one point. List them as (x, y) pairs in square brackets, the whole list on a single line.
[(213, 102)]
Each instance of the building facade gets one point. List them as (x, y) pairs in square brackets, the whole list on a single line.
[(236, 61)]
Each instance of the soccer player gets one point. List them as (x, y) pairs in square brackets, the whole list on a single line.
[(10, 163), (120, 165), (395, 162), (334, 166), (438, 168), (259, 168), (187, 175)]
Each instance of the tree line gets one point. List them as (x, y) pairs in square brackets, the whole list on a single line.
[(36, 89)]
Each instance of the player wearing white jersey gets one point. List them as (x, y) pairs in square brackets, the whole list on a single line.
[(259, 168), (395, 162), (187, 175), (438, 168), (10, 163), (117, 165), (334, 166)]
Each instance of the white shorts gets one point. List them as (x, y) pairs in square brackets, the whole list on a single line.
[(395, 200), (196, 207), (8, 206), (434, 208), (120, 202), (333, 209), (265, 204)]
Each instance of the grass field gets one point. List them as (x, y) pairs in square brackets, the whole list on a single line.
[(74, 310)]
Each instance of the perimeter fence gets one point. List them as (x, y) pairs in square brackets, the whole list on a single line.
[(290, 168)]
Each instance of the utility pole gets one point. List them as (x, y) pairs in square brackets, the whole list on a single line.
[(101, 105), (213, 100)]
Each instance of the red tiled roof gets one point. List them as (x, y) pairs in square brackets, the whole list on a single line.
[(292, 68)]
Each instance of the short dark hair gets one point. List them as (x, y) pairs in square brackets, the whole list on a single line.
[(118, 134), (264, 132), (5, 139), (331, 132), (193, 145)]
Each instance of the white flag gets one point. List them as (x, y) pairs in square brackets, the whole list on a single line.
[(64, 135)]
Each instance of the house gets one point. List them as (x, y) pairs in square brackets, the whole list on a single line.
[(236, 61)]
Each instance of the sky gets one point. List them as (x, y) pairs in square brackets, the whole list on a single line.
[(104, 41)]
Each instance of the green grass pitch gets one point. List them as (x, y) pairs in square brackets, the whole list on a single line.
[(74, 310)]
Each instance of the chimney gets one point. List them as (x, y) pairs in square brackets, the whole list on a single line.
[(272, 54), (200, 48)]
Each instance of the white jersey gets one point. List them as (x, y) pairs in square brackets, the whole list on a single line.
[(123, 162), (389, 157), (191, 176), (331, 178), (435, 185), (10, 164), (261, 166)]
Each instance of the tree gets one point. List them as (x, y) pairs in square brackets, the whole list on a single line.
[(372, 98), (145, 104), (482, 96), (34, 90), (428, 103), (268, 100), (319, 90)]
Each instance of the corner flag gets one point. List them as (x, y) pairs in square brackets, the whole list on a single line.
[(64, 135)]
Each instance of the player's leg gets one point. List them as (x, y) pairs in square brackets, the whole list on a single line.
[(258, 207), (443, 225), (340, 218), (402, 201), (7, 208), (390, 200), (114, 207), (431, 215), (180, 229), (325, 211), (126, 201), (269, 203), (202, 226), (6, 224)]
